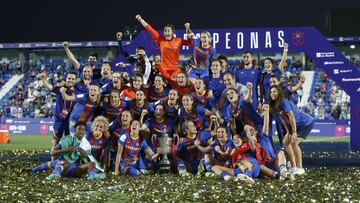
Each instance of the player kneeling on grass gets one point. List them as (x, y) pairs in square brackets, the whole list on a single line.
[(73, 160), (129, 148), (220, 155), (244, 167), (191, 148)]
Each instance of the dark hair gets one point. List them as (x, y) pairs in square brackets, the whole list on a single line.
[(231, 88), (170, 26), (116, 91), (94, 55), (222, 57), (249, 52), (106, 62), (229, 73), (141, 91), (276, 104), (80, 123), (140, 48), (214, 60), (137, 75), (96, 84), (274, 76), (72, 73), (160, 76), (271, 60)]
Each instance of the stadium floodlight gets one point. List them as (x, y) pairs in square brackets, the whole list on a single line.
[(352, 46)]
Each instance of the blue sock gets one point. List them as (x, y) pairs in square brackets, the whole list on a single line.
[(208, 166), (58, 168), (91, 171), (277, 175), (180, 165), (41, 167), (247, 172), (133, 172), (237, 171), (223, 174)]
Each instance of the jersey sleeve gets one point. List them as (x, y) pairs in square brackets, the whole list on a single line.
[(81, 98), (123, 139), (285, 104), (153, 32), (204, 136), (144, 145)]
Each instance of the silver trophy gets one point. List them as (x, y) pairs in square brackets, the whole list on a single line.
[(165, 143)]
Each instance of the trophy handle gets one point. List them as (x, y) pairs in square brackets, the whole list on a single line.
[(176, 140), (153, 139)]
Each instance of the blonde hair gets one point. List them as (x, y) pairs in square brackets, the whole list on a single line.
[(103, 120), (208, 34)]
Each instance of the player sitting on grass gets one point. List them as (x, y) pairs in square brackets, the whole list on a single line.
[(191, 148), (221, 149), (129, 148), (73, 159)]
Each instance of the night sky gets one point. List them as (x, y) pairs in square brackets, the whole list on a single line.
[(80, 20)]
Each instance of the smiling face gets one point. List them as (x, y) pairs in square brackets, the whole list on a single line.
[(274, 81), (228, 80), (215, 67), (199, 85), (116, 78), (80, 131), (159, 111), (168, 33), (98, 128), (140, 96), (268, 65), (187, 102), (87, 72), (106, 70), (159, 82), (70, 80), (126, 118), (221, 134), (205, 39), (114, 98), (274, 93), (232, 96), (237, 140), (94, 92), (173, 95), (137, 82), (181, 79), (135, 127), (191, 128)]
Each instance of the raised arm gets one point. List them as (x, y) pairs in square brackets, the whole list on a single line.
[(283, 58), (65, 96), (297, 86), (248, 95), (147, 70), (47, 85), (148, 27), (71, 56), (265, 110)]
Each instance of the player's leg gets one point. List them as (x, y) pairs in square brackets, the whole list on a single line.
[(225, 173)]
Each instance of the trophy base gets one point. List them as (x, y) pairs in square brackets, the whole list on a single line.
[(164, 167)]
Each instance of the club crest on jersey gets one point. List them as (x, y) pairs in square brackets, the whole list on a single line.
[(297, 38)]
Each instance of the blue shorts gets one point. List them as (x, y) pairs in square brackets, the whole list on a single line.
[(70, 171), (304, 131), (60, 127), (255, 167), (124, 166), (199, 73)]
